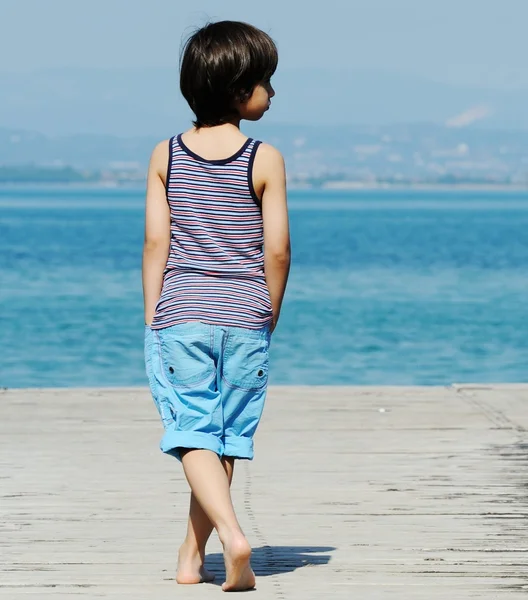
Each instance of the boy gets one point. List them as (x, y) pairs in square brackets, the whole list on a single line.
[(215, 265)]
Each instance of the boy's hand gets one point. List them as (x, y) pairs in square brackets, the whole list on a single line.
[(274, 324)]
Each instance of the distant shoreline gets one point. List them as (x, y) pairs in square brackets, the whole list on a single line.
[(341, 186), (351, 186)]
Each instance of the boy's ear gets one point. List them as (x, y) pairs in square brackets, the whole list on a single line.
[(242, 96)]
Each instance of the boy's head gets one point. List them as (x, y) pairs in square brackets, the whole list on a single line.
[(222, 65)]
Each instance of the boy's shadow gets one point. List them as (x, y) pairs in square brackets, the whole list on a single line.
[(273, 560)]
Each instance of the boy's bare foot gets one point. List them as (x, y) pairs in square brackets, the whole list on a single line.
[(239, 574), (191, 569)]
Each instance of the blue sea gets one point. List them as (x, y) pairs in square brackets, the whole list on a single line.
[(387, 287)]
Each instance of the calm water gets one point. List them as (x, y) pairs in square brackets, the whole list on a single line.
[(386, 288)]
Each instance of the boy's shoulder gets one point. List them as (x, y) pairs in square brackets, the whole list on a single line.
[(161, 147), (269, 155), (160, 156), (269, 166)]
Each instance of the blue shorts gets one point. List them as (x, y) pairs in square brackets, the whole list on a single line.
[(209, 385)]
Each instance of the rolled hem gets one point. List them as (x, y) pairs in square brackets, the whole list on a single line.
[(238, 447), (173, 441)]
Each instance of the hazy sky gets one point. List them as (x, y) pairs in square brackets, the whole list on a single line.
[(478, 42)]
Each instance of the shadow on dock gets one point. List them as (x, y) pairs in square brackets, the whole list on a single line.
[(274, 560)]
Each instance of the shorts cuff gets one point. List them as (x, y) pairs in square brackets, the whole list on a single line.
[(172, 441), (238, 447)]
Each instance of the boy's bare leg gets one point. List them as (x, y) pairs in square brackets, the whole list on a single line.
[(210, 485), (191, 556)]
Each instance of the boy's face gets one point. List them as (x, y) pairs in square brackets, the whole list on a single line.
[(258, 103)]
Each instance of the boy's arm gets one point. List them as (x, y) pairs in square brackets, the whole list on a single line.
[(276, 226), (157, 230)]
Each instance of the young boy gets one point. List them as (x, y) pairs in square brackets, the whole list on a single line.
[(215, 265)]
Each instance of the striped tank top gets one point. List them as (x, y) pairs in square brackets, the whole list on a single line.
[(215, 268)]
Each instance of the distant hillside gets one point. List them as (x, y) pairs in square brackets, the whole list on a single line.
[(147, 102), (84, 150), (420, 152)]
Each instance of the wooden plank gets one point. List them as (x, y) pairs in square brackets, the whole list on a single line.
[(355, 492)]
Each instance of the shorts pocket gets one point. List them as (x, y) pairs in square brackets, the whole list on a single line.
[(187, 359), (152, 365), (246, 362)]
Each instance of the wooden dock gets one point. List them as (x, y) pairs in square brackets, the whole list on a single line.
[(355, 493)]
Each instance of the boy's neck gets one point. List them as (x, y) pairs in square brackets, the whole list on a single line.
[(225, 127)]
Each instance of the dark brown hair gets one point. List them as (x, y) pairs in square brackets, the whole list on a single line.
[(221, 64)]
